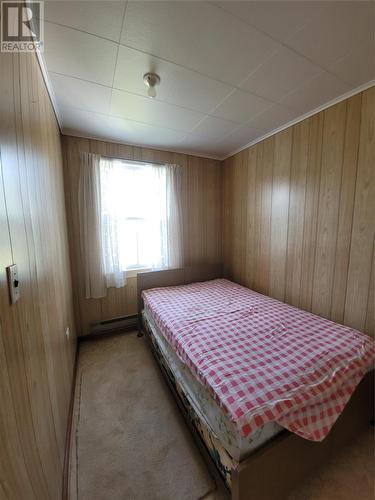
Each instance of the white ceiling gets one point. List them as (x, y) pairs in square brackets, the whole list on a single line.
[(231, 72)]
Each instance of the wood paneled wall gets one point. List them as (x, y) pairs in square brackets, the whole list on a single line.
[(299, 214), (36, 357), (201, 205)]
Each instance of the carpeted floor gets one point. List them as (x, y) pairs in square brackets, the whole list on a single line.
[(129, 441)]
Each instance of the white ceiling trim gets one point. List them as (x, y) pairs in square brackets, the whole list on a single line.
[(43, 68), (328, 104)]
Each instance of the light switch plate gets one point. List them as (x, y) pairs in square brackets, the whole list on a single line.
[(13, 283)]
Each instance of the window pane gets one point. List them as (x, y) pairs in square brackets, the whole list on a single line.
[(134, 200)]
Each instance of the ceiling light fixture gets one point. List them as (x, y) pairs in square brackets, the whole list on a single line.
[(151, 80)]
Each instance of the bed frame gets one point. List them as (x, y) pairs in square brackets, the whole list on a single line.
[(273, 470)]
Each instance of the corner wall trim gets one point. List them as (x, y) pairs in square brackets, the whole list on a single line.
[(43, 69)]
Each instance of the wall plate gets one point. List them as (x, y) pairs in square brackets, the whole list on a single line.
[(13, 283)]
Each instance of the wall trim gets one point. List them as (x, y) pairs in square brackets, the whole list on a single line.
[(68, 435), (320, 108), (43, 69)]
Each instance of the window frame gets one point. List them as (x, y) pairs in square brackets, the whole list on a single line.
[(131, 272)]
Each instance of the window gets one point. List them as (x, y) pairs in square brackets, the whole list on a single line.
[(129, 218), (137, 212)]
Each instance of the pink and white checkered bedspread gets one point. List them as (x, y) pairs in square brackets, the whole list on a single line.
[(261, 359)]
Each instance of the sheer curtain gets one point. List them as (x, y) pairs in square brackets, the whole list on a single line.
[(130, 216), (168, 179), (90, 224), (113, 192)]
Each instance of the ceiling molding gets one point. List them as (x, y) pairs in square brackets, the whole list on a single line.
[(43, 69), (320, 108)]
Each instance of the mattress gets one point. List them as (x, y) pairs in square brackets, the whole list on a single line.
[(207, 408), (261, 360)]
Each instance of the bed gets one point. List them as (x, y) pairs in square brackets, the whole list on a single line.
[(205, 332)]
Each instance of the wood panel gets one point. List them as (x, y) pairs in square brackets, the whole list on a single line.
[(297, 195), (280, 213), (308, 233), (176, 277), (36, 357), (201, 206), (362, 240), (328, 209)]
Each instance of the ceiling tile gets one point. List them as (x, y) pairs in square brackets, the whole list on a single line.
[(272, 118), (278, 19), (153, 112), (178, 85), (117, 129), (99, 18), (83, 122), (358, 67), (139, 133), (197, 35), (239, 139), (77, 54), (340, 28), (215, 128), (195, 47), (318, 91), (280, 74), (240, 106), (199, 144), (80, 94), (224, 145)]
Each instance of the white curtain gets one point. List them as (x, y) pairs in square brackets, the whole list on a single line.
[(89, 208), (172, 230), (161, 187), (130, 214), (113, 193)]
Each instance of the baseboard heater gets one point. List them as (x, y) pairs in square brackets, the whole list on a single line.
[(114, 325)]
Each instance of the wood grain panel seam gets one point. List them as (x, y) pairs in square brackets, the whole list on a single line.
[(289, 212), (271, 205), (6, 206), (304, 212), (317, 208), (353, 211), (338, 211)]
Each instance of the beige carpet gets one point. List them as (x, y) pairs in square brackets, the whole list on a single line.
[(130, 442)]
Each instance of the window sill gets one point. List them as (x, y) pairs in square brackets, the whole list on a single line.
[(132, 273)]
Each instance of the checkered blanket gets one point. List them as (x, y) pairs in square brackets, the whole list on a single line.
[(261, 359)]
